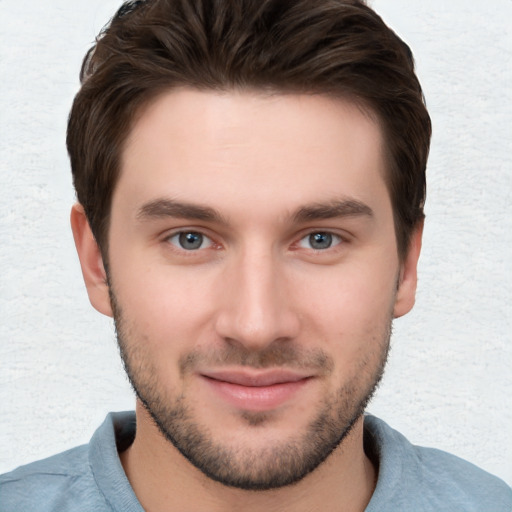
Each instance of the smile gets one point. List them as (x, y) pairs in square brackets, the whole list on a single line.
[(256, 391)]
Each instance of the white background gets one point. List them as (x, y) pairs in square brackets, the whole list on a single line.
[(449, 380)]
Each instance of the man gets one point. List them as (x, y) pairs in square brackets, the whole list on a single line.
[(251, 180)]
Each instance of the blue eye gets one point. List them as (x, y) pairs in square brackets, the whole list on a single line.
[(190, 240), (319, 241)]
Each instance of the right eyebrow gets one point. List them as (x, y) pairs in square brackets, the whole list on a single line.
[(161, 208)]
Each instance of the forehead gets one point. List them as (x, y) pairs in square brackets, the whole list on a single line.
[(252, 149)]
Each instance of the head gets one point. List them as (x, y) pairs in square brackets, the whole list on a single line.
[(252, 177), (339, 48)]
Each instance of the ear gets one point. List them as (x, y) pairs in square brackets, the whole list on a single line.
[(408, 279), (91, 261)]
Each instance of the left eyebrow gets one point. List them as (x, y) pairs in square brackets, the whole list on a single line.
[(332, 210)]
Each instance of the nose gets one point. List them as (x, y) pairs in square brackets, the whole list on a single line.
[(255, 302)]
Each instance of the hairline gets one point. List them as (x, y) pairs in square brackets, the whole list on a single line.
[(364, 105)]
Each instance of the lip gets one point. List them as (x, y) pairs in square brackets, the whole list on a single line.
[(256, 390)]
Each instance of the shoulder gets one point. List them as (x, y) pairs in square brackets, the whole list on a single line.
[(84, 479), (61, 482), (454, 480), (429, 479)]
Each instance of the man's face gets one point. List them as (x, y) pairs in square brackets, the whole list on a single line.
[(254, 275)]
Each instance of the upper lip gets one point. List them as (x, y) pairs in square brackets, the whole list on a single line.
[(256, 378)]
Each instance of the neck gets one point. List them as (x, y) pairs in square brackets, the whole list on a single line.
[(164, 481)]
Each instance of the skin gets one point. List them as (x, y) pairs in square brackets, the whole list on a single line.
[(255, 288)]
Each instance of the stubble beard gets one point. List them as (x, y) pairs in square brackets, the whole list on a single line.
[(276, 465)]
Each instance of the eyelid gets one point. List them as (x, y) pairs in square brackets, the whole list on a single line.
[(341, 238), (168, 235), (337, 239), (205, 240)]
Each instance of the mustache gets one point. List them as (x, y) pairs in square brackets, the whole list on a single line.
[(278, 354)]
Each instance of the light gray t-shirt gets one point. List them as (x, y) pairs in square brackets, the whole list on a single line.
[(90, 478)]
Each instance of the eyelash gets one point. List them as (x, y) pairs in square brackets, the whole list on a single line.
[(333, 240), (184, 233)]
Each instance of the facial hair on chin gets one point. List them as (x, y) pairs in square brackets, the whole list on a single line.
[(276, 465)]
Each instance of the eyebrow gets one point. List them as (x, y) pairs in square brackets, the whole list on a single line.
[(161, 208), (332, 210)]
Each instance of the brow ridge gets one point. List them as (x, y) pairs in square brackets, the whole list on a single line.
[(161, 208), (164, 207), (332, 209)]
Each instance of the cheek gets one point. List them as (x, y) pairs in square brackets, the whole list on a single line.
[(350, 311), (160, 324), (161, 303), (348, 296)]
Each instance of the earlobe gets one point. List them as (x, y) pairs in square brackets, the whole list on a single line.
[(408, 280), (91, 261)]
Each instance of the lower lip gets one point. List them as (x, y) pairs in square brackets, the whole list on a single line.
[(253, 398)]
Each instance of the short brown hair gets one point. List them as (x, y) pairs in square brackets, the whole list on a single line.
[(337, 47)]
